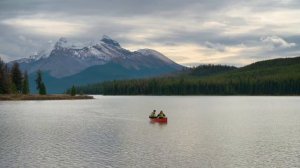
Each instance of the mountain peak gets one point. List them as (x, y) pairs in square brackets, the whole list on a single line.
[(61, 42), (106, 37), (63, 39), (107, 40)]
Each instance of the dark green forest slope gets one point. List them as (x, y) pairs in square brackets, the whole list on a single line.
[(271, 77)]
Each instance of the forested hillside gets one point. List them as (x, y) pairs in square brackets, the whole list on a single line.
[(271, 77)]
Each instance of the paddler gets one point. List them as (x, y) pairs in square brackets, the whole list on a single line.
[(161, 114), (153, 115)]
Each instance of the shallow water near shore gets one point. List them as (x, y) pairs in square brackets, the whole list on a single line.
[(115, 131)]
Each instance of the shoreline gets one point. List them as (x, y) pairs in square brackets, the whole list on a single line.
[(16, 97), (203, 95)]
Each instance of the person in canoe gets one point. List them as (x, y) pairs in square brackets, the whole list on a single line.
[(153, 115), (161, 114)]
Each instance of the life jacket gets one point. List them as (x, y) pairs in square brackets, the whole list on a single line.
[(152, 115), (161, 115)]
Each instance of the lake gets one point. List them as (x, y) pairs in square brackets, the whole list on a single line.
[(114, 131)]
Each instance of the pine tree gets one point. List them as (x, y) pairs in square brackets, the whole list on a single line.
[(39, 80), (40, 85), (17, 78), (25, 89), (42, 90), (73, 91), (7, 81)]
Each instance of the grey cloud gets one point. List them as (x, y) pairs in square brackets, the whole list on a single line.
[(112, 7), (276, 42), (216, 46), (176, 22)]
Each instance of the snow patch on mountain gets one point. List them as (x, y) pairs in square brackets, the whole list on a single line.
[(65, 43)]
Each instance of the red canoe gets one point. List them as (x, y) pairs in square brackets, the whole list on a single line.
[(161, 120)]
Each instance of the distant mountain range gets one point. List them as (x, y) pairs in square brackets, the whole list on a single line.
[(67, 64)]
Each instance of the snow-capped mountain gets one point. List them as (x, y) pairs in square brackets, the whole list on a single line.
[(65, 60)]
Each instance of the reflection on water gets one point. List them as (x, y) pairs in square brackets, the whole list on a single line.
[(116, 132), (158, 123)]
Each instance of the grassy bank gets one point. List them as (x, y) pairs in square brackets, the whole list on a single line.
[(43, 97)]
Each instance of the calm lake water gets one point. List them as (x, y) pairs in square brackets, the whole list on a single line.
[(115, 132)]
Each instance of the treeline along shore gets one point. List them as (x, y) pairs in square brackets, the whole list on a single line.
[(43, 97), (14, 85), (271, 77)]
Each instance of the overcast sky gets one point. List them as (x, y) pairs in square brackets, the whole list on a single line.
[(187, 31)]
